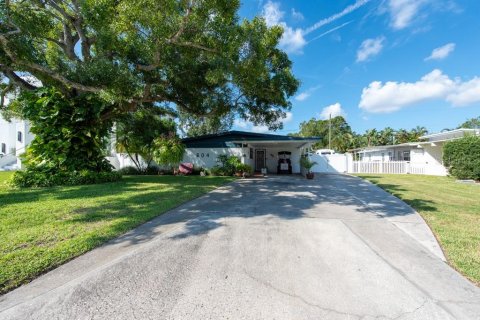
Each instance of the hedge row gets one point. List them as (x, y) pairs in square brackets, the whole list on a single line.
[(462, 157), (37, 178)]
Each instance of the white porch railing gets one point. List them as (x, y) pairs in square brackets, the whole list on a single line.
[(390, 167)]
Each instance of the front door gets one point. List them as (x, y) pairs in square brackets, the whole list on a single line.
[(259, 159)]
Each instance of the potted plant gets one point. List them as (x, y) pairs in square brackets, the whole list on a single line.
[(307, 164)]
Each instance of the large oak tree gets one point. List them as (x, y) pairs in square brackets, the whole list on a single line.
[(191, 56)]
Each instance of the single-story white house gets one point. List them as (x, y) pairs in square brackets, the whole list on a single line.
[(276, 153), (424, 156), (14, 138)]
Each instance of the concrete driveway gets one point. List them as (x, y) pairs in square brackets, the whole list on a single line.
[(276, 248)]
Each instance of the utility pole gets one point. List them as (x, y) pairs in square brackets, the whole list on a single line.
[(330, 132)]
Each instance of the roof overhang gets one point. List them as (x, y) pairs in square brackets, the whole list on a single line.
[(277, 143)]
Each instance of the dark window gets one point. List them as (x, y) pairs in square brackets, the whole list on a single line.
[(19, 136), (251, 153), (406, 155), (4, 148)]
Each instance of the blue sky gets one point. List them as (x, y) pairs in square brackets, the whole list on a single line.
[(397, 63)]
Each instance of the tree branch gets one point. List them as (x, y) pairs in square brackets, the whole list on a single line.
[(45, 71), (194, 45), (183, 25), (4, 93), (14, 78)]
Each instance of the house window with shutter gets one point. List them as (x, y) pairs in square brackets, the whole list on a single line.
[(19, 136)]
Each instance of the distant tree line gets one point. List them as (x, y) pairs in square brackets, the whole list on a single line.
[(343, 138)]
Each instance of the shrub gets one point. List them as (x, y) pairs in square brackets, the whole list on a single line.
[(134, 171), (244, 168), (228, 165), (462, 157), (152, 171), (219, 171), (39, 177), (197, 170), (129, 171)]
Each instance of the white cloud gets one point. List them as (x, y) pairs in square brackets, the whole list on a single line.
[(272, 13), (259, 129), (392, 96), (297, 15), (333, 110), (288, 117), (465, 93), (293, 39), (302, 96), (249, 126), (369, 48), (403, 12), (441, 52), (331, 30), (307, 93), (240, 123), (347, 10)]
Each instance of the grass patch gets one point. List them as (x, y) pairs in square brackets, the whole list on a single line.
[(45, 227), (451, 209), (4, 177)]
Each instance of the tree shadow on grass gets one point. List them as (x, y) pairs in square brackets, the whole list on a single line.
[(286, 198), (130, 183)]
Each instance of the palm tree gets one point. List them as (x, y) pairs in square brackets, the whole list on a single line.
[(417, 132), (402, 136), (372, 137), (386, 136)]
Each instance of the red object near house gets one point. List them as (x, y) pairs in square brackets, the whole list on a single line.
[(185, 168)]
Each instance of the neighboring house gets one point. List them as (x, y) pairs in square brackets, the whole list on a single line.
[(276, 153), (423, 156), (14, 138)]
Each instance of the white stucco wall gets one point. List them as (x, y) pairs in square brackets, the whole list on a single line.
[(207, 157), (433, 157), (9, 136)]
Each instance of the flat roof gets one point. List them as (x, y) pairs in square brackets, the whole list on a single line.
[(450, 132)]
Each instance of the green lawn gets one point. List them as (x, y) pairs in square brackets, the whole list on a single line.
[(43, 228), (451, 209)]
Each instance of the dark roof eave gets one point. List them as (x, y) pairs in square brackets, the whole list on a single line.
[(251, 136)]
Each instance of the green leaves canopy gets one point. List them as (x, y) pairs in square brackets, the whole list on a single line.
[(168, 151), (191, 54), (137, 131), (341, 132)]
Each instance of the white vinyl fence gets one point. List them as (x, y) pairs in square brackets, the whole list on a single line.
[(344, 163), (390, 167), (333, 163)]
